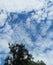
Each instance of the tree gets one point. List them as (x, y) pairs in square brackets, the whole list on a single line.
[(40, 62), (18, 55)]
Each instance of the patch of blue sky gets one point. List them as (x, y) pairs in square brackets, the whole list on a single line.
[(47, 50), (51, 27)]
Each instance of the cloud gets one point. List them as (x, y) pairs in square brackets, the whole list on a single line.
[(3, 17), (43, 41), (5, 32), (3, 45), (18, 5), (35, 31)]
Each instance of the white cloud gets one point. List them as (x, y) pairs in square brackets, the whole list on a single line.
[(19, 34), (39, 54), (4, 45), (41, 43), (5, 33), (3, 17), (17, 5)]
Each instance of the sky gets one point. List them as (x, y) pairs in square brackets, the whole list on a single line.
[(29, 22)]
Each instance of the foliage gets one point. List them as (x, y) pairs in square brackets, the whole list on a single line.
[(19, 55)]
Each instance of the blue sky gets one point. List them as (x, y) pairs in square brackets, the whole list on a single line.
[(29, 22)]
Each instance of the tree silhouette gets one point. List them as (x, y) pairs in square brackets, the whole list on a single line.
[(40, 63), (19, 55)]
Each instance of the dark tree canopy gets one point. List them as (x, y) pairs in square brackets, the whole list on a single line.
[(19, 55), (40, 63)]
